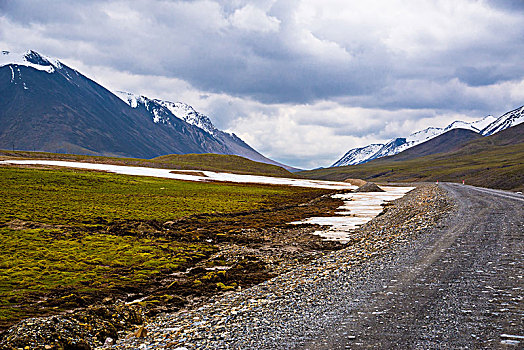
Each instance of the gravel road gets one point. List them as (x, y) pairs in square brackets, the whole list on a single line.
[(461, 289), (414, 278)]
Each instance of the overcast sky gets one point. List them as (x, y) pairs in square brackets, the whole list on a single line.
[(300, 81)]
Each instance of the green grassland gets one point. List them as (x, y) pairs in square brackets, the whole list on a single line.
[(481, 163), (220, 162), (209, 162), (57, 236)]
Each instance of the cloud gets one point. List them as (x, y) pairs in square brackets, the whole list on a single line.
[(254, 19), (295, 71)]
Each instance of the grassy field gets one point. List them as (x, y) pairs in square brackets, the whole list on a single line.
[(70, 237), (481, 163), (209, 162)]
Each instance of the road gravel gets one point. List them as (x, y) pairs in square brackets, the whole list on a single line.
[(461, 288)]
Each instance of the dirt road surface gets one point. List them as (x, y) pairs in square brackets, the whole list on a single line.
[(461, 289)]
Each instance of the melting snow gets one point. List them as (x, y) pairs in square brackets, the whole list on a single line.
[(358, 209), (208, 175)]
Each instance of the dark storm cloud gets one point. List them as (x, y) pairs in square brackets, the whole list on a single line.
[(480, 76), (199, 45), (512, 5), (216, 47)]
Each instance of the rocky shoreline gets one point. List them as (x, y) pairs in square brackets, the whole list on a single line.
[(253, 318)]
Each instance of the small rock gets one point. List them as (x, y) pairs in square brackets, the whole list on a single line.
[(109, 341), (369, 187), (141, 332)]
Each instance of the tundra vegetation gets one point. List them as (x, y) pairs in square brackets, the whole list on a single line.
[(72, 238), (480, 163)]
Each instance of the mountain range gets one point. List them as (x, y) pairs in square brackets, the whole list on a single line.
[(495, 161), (486, 126), (48, 106)]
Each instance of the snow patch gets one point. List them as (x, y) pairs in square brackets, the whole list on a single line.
[(161, 111), (358, 209), (507, 120), (208, 175), (30, 59), (131, 99)]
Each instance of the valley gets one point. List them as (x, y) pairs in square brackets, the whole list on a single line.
[(261, 175), (496, 161), (82, 243)]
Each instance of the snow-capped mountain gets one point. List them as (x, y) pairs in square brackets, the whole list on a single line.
[(358, 155), (28, 59), (47, 106), (167, 113), (17, 62), (178, 109), (189, 115), (484, 126), (507, 120)]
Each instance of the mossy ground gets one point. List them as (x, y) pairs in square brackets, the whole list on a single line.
[(69, 238)]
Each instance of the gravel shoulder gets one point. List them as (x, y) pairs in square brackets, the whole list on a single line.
[(316, 303)]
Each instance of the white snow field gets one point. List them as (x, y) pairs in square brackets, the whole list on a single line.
[(175, 174), (358, 209)]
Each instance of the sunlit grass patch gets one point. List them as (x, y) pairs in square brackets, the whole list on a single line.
[(69, 237), (34, 262), (75, 197)]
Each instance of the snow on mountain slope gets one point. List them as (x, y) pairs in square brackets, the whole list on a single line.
[(365, 154), (163, 112), (29, 59), (459, 124), (484, 122), (178, 109), (131, 99), (358, 155), (507, 120), (189, 115)]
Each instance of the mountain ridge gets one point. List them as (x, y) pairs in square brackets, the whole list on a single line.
[(48, 106), (485, 126), (495, 161)]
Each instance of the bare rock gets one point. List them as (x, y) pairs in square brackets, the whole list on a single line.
[(369, 187)]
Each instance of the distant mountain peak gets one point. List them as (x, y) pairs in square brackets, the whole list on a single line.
[(507, 120), (485, 126), (131, 99), (189, 115), (180, 110), (35, 58), (31, 59), (459, 124)]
